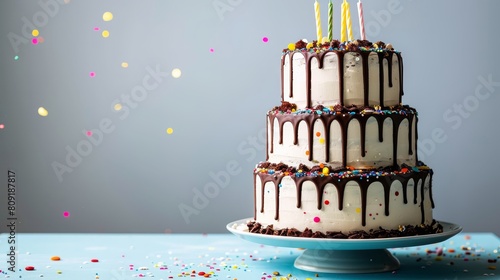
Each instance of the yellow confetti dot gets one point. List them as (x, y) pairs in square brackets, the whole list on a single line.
[(358, 210), (124, 64), (170, 130), (42, 112), (105, 33), (322, 140), (107, 16), (117, 107), (35, 32), (176, 73), (291, 46)]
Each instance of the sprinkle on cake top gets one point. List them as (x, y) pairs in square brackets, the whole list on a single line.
[(356, 45)]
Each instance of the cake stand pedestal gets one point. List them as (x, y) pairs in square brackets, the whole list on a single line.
[(344, 255), (347, 261)]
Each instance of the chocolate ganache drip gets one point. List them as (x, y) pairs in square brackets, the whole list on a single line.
[(327, 116), (320, 55), (363, 179)]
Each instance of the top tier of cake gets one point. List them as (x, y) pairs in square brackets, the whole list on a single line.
[(358, 73)]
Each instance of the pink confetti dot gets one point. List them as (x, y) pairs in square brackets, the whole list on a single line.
[(212, 50), (96, 28), (92, 74), (265, 39), (89, 133), (66, 214), (2, 126), (316, 219), (34, 41)]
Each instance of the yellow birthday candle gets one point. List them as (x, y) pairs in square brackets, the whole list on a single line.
[(319, 32), (349, 21), (343, 27)]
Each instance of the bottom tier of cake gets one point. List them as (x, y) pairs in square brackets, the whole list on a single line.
[(342, 202)]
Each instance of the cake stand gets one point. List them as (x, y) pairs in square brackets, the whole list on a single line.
[(344, 255)]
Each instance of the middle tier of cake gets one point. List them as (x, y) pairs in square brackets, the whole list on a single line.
[(361, 138)]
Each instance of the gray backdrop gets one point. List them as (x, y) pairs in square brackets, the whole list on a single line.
[(130, 175)]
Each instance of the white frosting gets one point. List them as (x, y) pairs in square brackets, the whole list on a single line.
[(325, 88), (378, 154), (350, 217)]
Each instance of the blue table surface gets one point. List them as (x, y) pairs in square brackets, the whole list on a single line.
[(224, 256)]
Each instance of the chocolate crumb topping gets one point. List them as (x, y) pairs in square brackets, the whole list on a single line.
[(285, 107), (409, 230), (300, 44)]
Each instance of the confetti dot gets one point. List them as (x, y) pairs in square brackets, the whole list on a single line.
[(322, 140), (107, 16), (358, 210), (316, 219), (265, 39), (42, 112), (29, 267), (212, 50), (94, 260), (34, 41), (117, 107), (307, 153), (66, 214), (2, 126), (318, 134), (170, 130), (35, 33), (396, 193), (176, 73), (105, 33), (327, 202), (96, 28), (89, 133), (124, 64), (92, 74), (41, 39), (16, 57)]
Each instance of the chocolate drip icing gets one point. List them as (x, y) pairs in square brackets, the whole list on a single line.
[(276, 181), (320, 57), (340, 56), (366, 84), (320, 182), (400, 58), (343, 120)]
